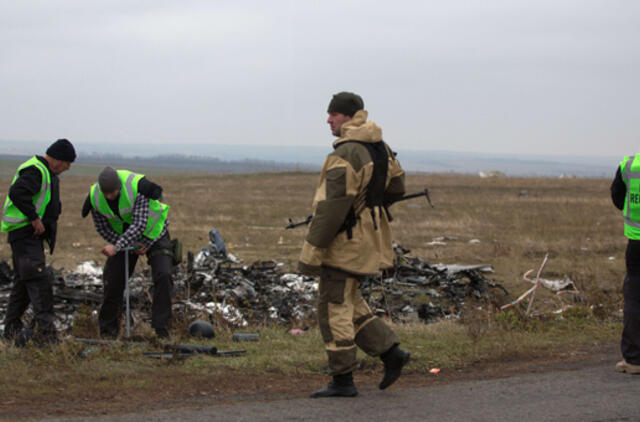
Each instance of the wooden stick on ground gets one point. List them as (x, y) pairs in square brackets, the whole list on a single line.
[(533, 294)]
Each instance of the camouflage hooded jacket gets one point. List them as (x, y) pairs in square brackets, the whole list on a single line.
[(346, 172)]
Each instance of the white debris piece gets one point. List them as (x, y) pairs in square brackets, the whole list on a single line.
[(229, 313), (273, 312), (89, 268), (554, 285), (231, 257), (90, 274), (455, 268)]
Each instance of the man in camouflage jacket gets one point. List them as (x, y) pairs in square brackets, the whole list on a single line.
[(349, 238)]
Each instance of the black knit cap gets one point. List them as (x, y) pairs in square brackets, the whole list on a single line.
[(346, 103), (62, 150)]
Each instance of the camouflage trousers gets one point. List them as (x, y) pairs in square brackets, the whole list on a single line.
[(346, 322)]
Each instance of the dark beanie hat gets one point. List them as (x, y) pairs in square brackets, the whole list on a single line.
[(346, 103), (109, 180), (62, 150)]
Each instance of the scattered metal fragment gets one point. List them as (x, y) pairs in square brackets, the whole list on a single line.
[(159, 355), (416, 290), (214, 286), (170, 350), (559, 286), (183, 355)]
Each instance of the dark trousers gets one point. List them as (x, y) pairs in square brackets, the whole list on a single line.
[(114, 285), (630, 343), (32, 284)]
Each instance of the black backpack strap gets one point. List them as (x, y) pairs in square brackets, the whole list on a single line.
[(375, 188), (377, 184)]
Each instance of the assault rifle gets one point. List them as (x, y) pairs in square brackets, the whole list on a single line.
[(293, 225), (425, 193), (181, 350)]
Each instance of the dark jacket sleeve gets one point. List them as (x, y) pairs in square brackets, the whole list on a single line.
[(150, 189), (86, 207), (618, 190), (22, 191)]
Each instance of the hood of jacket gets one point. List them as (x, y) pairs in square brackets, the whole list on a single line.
[(358, 129)]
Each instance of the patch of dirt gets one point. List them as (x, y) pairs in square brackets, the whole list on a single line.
[(224, 386)]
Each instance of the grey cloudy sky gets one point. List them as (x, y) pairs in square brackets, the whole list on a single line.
[(543, 76)]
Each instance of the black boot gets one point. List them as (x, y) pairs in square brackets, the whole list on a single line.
[(394, 359), (341, 386), (162, 333)]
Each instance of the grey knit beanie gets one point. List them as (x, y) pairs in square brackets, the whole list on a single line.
[(109, 180)]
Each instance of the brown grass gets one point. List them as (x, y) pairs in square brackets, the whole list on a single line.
[(571, 219), (516, 220)]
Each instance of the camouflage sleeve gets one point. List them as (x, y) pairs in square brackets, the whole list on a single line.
[(333, 199), (332, 205)]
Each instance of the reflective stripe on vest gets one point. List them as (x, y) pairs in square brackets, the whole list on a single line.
[(13, 222), (128, 185)]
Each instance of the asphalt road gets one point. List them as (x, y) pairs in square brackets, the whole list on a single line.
[(594, 392)]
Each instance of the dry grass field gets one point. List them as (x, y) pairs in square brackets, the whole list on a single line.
[(516, 221)]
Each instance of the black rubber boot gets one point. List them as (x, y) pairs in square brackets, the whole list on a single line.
[(341, 386), (394, 359)]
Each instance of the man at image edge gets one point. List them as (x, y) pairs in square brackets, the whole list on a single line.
[(30, 216)]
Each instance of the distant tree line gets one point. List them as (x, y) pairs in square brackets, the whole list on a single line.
[(180, 162)]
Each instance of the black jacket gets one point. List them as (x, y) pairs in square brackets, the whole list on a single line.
[(21, 194), (618, 190)]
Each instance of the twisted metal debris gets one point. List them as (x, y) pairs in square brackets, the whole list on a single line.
[(418, 291), (214, 285)]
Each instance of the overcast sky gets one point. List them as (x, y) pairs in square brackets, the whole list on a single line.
[(535, 76)]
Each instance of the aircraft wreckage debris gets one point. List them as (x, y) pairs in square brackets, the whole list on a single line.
[(214, 286)]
